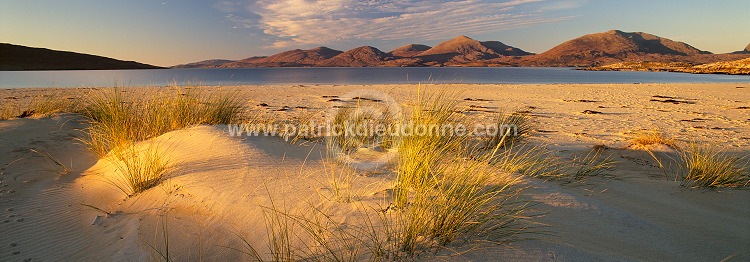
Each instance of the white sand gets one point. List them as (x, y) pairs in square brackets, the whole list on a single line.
[(219, 183)]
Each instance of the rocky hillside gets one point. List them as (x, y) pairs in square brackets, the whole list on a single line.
[(16, 57), (737, 67)]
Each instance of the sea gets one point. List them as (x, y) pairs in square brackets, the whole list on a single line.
[(346, 76)]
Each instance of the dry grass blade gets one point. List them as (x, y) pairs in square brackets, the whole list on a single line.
[(61, 168)]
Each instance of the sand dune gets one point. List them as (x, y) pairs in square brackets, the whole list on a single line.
[(218, 185)]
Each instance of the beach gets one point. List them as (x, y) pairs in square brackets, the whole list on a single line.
[(223, 191)]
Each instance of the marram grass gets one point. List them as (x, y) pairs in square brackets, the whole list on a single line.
[(650, 137), (41, 106), (709, 166), (441, 198), (139, 167), (117, 118), (512, 129)]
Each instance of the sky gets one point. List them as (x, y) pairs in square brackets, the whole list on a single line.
[(170, 32)]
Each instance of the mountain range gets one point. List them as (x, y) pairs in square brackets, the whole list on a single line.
[(589, 50), (597, 49)]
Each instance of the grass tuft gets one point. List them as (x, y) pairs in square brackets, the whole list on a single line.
[(512, 128), (442, 195), (592, 164), (710, 166), (528, 160), (54, 165), (117, 117), (139, 168), (650, 137), (41, 106), (420, 152)]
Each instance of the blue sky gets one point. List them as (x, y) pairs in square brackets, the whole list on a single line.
[(169, 32)]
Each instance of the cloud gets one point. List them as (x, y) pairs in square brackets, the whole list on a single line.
[(301, 22)]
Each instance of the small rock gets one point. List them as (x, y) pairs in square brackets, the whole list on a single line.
[(590, 112)]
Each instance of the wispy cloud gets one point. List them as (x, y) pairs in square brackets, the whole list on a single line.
[(301, 22)]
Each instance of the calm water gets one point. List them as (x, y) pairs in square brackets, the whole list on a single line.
[(273, 76)]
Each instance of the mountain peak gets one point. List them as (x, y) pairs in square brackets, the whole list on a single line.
[(409, 50), (463, 49), (461, 45), (744, 51), (612, 47), (360, 56), (503, 49)]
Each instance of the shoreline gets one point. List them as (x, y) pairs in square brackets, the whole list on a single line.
[(562, 110)]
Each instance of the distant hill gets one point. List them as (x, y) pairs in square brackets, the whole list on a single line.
[(463, 49), (409, 50), (296, 57), (17, 57), (744, 51), (204, 64), (616, 46), (597, 49), (363, 56)]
